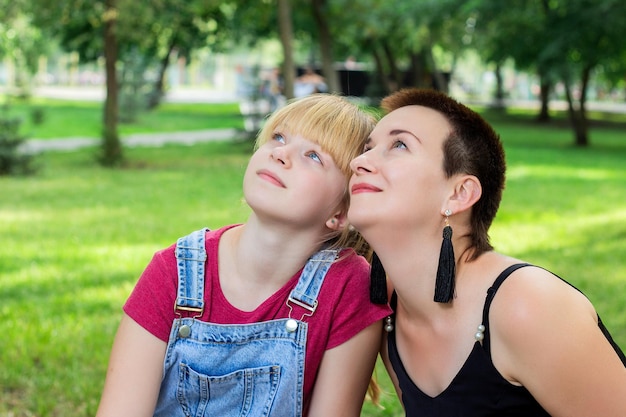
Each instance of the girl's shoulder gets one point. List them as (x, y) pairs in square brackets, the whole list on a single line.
[(348, 259)]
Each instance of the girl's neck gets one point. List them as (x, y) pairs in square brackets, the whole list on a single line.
[(264, 253)]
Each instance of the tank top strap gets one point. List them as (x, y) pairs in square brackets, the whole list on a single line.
[(191, 259), (491, 292)]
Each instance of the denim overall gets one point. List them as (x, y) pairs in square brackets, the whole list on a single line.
[(221, 370)]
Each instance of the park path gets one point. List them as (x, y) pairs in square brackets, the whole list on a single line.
[(94, 93), (189, 138), (34, 146)]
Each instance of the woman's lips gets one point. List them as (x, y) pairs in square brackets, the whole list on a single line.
[(364, 188)]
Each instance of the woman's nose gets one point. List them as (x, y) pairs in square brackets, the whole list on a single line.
[(362, 163)]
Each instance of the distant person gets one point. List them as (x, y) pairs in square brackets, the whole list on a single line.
[(474, 332), (309, 83), (273, 89), (267, 318)]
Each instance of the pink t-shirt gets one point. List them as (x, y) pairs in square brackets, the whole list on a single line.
[(343, 308)]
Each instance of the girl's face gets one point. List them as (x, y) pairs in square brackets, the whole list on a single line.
[(291, 180), (398, 181)]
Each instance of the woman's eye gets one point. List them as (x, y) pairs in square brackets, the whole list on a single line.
[(398, 144), (278, 137)]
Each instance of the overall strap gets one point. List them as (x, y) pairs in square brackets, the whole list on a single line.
[(310, 282), (491, 292), (190, 260)]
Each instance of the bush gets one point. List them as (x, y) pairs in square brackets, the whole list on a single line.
[(13, 160)]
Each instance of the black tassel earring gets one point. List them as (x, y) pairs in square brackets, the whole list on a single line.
[(444, 285), (378, 281)]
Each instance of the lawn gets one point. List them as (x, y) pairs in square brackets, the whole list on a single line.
[(63, 118), (76, 237)]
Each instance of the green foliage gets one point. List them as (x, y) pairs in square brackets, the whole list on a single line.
[(13, 161), (22, 44), (133, 94)]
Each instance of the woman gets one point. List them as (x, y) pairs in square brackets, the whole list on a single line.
[(262, 318), (474, 332)]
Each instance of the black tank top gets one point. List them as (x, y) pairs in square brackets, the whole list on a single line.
[(478, 389)]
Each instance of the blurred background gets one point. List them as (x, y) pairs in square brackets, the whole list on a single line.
[(150, 107), (567, 53)]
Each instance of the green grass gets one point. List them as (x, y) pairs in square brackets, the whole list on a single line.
[(62, 118), (76, 237)]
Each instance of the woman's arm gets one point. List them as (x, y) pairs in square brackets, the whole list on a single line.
[(546, 337), (134, 374), (344, 375)]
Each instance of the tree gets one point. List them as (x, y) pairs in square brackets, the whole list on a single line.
[(402, 38), (583, 51), (546, 36), (286, 39), (320, 15), (117, 29), (21, 42), (111, 145)]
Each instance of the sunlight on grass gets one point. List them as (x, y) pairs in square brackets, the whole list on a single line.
[(531, 172), (76, 237)]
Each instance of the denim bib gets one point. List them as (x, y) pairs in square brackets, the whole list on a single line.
[(219, 370)]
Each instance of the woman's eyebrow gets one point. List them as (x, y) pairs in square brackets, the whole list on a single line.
[(395, 132)]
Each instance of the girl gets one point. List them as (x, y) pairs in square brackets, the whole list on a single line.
[(475, 332), (262, 318)]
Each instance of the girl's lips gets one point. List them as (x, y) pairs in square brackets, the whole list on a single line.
[(270, 177), (364, 188)]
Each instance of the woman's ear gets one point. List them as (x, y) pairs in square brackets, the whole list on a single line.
[(467, 192), (337, 222)]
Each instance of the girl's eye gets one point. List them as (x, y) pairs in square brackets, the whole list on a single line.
[(398, 144), (279, 137), (315, 156)]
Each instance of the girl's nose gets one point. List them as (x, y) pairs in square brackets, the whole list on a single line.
[(280, 154)]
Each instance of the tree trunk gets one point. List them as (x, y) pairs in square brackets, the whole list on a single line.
[(577, 121), (584, 83), (285, 27), (381, 74), (395, 75), (544, 95), (111, 145), (325, 37), (159, 85), (416, 72), (499, 95), (582, 136)]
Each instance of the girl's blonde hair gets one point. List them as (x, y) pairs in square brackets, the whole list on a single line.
[(340, 127)]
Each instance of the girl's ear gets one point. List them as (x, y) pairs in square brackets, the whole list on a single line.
[(467, 192), (337, 222)]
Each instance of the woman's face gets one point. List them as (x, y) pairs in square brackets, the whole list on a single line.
[(398, 182)]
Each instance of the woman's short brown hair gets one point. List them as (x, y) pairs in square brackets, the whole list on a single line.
[(472, 147)]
